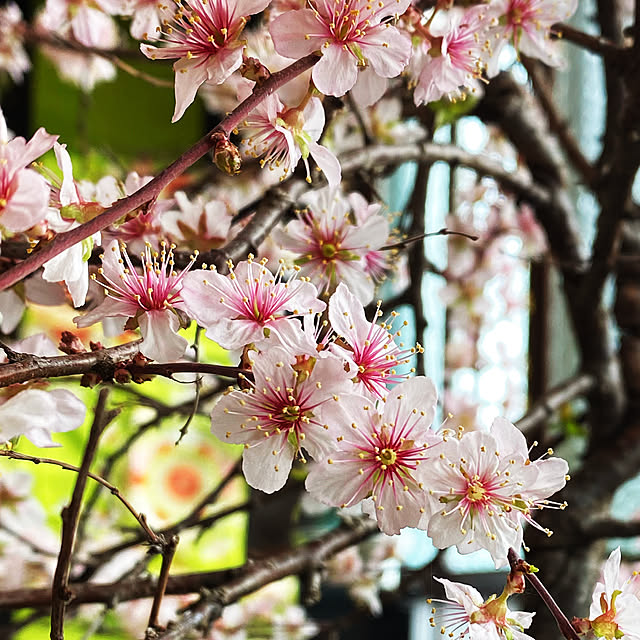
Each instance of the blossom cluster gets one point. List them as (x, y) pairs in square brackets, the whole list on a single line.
[(444, 52)]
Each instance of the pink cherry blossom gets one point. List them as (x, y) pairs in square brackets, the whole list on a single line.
[(615, 609), (483, 488), (201, 223), (249, 303), (24, 194), (152, 298), (470, 617), (331, 247), (205, 36), (382, 456), (449, 57), (369, 345), (349, 34), (291, 405), (527, 25), (142, 225), (284, 136)]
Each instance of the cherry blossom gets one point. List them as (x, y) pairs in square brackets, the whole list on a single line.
[(331, 248), (249, 303), (349, 34), (24, 195), (74, 203), (615, 609), (201, 223), (291, 405), (449, 56), (33, 412), (284, 136), (469, 616), (381, 456), (151, 298), (88, 23), (209, 48), (527, 25), (148, 17), (13, 57), (483, 488), (369, 345), (142, 225)]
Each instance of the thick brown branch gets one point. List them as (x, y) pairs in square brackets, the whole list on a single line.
[(103, 362), (372, 158), (596, 44), (610, 528), (558, 124)]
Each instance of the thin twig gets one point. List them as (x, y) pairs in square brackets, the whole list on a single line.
[(142, 521), (192, 519), (170, 368), (595, 44), (402, 244), (168, 552), (517, 564), (70, 513)]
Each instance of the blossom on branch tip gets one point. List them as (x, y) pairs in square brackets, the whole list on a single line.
[(615, 607), (152, 299), (13, 57), (483, 489), (205, 36), (349, 34), (381, 456), (33, 412), (449, 58), (469, 616), (526, 24)]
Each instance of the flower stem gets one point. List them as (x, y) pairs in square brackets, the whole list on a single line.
[(517, 564)]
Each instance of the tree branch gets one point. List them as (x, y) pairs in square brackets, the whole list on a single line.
[(102, 362), (70, 514), (142, 521), (602, 528), (596, 44), (259, 574), (553, 399), (149, 191)]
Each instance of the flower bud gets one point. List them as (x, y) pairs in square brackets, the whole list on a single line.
[(226, 155)]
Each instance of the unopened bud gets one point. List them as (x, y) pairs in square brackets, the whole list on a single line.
[(226, 155), (253, 69)]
